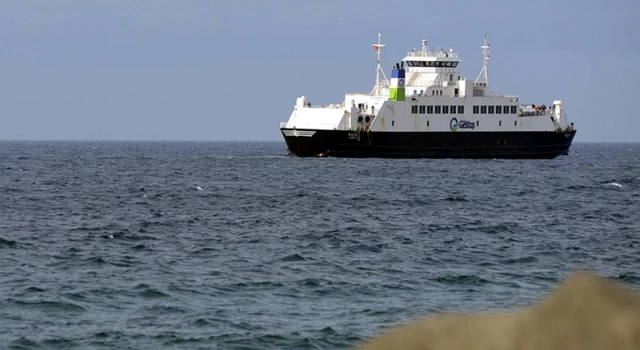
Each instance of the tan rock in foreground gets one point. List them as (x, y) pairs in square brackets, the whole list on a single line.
[(585, 313)]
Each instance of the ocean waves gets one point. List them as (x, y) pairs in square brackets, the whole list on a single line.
[(231, 245)]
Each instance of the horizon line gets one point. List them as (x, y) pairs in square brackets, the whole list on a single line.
[(178, 140)]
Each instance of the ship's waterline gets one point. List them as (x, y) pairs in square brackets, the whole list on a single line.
[(340, 143)]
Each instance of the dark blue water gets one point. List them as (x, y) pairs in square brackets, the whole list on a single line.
[(115, 245)]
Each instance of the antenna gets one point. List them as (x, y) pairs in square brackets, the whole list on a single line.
[(485, 54), (378, 48)]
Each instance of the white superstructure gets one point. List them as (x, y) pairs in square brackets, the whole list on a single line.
[(436, 97)]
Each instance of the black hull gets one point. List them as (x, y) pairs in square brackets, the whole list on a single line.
[(505, 144)]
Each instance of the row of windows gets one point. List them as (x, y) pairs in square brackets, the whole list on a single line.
[(495, 109), (440, 64), (460, 109), (437, 109), (433, 93)]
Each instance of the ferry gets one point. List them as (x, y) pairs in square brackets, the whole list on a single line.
[(428, 109)]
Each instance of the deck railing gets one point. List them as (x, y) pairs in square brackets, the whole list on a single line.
[(432, 54)]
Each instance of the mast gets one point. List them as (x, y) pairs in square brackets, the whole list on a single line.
[(485, 55), (378, 48)]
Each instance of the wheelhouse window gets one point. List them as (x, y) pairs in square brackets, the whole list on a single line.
[(505, 109), (438, 109), (476, 109), (498, 109), (429, 109), (445, 109), (491, 111), (514, 109), (414, 109), (483, 109), (461, 109), (452, 109), (439, 64), (421, 109)]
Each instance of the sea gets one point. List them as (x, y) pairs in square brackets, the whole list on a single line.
[(235, 245)]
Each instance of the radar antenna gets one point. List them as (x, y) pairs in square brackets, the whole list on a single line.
[(485, 54), (378, 48)]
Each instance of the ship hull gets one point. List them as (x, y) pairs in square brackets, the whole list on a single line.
[(504, 144)]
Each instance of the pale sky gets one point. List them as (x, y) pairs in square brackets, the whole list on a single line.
[(229, 70)]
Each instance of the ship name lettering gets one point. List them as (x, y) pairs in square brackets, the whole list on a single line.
[(465, 124)]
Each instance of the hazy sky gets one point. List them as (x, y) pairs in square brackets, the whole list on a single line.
[(229, 70)]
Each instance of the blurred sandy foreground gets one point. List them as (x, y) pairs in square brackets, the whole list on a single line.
[(585, 312)]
